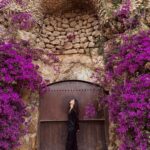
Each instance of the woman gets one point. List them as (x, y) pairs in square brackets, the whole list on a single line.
[(73, 125)]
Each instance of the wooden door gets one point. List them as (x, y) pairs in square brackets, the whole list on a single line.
[(93, 133)]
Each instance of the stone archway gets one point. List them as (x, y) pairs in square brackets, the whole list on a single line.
[(72, 35)]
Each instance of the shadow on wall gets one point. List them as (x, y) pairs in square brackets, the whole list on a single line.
[(63, 6)]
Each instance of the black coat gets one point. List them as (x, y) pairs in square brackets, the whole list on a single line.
[(72, 127), (73, 121)]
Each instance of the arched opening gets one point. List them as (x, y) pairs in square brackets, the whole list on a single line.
[(53, 116)]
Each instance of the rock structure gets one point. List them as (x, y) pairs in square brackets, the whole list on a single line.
[(70, 29), (69, 34)]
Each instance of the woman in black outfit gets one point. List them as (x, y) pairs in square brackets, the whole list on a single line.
[(72, 125)]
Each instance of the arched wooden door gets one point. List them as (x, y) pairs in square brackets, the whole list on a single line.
[(53, 116)]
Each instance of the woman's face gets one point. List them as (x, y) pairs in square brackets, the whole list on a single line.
[(72, 102)]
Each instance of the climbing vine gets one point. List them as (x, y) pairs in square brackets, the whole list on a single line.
[(128, 102), (127, 68), (17, 72)]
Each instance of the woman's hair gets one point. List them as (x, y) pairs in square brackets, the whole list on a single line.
[(75, 107)]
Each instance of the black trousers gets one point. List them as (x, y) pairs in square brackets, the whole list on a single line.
[(71, 143)]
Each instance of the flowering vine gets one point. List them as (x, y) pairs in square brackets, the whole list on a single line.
[(4, 3), (17, 72), (23, 20), (90, 111), (128, 102), (16, 67), (12, 122), (123, 15)]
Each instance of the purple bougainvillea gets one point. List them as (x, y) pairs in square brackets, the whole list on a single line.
[(16, 67), (129, 107), (90, 111), (129, 101), (124, 10), (23, 20), (132, 55), (4, 3), (16, 72), (12, 121), (123, 15)]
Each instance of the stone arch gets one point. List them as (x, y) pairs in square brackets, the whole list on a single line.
[(79, 57), (76, 63)]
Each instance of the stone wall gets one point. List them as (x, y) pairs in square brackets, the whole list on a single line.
[(70, 33), (29, 141)]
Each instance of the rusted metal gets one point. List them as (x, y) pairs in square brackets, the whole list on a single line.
[(53, 116)]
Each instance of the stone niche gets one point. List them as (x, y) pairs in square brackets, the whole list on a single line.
[(71, 31)]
